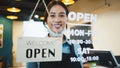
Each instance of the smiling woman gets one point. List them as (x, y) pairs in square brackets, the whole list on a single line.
[(55, 21)]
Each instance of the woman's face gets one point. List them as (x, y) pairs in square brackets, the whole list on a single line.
[(57, 18)]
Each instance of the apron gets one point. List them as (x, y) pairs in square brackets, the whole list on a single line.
[(65, 63)]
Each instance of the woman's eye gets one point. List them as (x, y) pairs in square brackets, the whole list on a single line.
[(62, 15), (52, 15)]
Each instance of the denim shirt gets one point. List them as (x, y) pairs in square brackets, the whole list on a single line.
[(76, 46)]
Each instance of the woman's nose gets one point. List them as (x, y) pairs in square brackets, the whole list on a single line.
[(57, 19)]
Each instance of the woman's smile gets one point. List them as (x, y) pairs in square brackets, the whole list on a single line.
[(57, 26)]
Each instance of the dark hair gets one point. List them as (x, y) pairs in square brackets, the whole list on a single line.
[(51, 4)]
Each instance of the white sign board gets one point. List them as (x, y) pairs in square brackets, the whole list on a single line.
[(34, 49)]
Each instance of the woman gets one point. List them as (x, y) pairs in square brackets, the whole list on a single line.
[(55, 22)]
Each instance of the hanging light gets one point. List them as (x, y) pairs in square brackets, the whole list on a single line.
[(36, 16), (12, 17), (42, 18), (68, 2), (13, 9)]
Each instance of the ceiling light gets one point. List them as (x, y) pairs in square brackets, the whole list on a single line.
[(36, 16), (68, 2), (12, 17), (42, 18), (13, 9)]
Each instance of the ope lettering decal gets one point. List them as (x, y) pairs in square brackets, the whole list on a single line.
[(87, 17)]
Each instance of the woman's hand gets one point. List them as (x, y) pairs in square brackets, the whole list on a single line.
[(86, 65)]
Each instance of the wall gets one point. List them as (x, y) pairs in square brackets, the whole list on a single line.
[(17, 32), (6, 51), (106, 29)]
